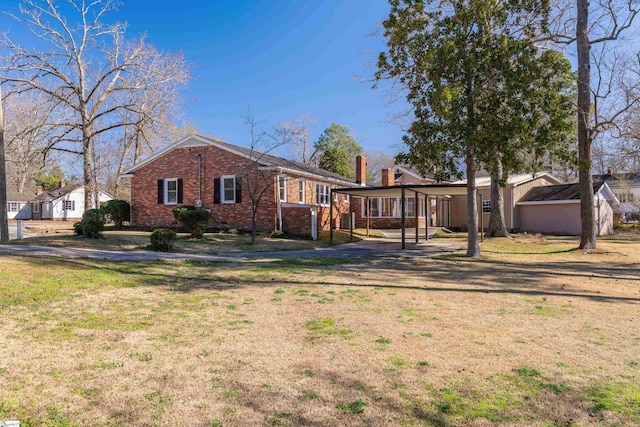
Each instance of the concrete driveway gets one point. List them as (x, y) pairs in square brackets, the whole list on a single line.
[(365, 249), (13, 232)]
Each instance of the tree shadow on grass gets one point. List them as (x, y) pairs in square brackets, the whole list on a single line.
[(468, 276)]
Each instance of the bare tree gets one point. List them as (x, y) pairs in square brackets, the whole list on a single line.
[(376, 161), (4, 220), (27, 134), (87, 66), (298, 133), (609, 20), (256, 180)]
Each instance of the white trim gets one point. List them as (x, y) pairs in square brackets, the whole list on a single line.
[(302, 190), (194, 140), (223, 200), (282, 185), (298, 172), (166, 191), (550, 202), (325, 194)]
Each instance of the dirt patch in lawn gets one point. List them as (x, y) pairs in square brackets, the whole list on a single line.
[(539, 334)]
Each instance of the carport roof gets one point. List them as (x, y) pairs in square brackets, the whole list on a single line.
[(396, 190)]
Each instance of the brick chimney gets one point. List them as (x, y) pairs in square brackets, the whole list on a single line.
[(61, 183), (39, 189), (609, 171), (388, 177), (361, 170)]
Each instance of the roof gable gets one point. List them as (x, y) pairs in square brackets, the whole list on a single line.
[(564, 192), (263, 159)]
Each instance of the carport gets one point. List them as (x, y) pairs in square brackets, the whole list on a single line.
[(427, 190)]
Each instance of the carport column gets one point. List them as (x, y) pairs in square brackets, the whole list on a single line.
[(351, 219), (330, 216), (402, 214), (427, 216), (366, 210), (481, 218), (416, 208)]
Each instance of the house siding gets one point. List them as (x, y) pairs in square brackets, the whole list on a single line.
[(518, 192), (182, 163)]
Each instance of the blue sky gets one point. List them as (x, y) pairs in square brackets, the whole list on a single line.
[(281, 58)]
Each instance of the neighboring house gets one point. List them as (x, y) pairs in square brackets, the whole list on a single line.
[(517, 186), (626, 187), (18, 206), (222, 178), (63, 203), (385, 211), (555, 209)]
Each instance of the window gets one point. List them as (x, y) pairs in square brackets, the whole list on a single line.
[(35, 207), (301, 185), (171, 191), (374, 207), (411, 206), (282, 188), (12, 207), (322, 194), (486, 206), (389, 206), (69, 205), (625, 197), (228, 189)]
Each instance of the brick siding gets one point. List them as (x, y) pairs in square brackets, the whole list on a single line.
[(183, 163)]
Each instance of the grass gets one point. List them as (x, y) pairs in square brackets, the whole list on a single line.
[(89, 342), (60, 234)]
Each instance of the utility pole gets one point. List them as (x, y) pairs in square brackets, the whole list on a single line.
[(4, 223)]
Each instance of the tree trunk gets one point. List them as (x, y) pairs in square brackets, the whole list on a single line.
[(496, 218), (254, 225), (86, 169), (4, 220), (473, 244), (587, 215)]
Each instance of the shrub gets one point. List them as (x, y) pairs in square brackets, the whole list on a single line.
[(77, 228), (92, 224), (117, 211), (193, 220), (163, 239), (178, 210)]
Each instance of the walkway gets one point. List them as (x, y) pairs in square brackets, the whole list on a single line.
[(365, 249)]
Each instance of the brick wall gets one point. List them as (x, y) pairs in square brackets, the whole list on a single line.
[(183, 163), (297, 220)]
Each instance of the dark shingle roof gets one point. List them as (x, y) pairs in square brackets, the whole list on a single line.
[(14, 196), (269, 160), (557, 192), (57, 193), (618, 178)]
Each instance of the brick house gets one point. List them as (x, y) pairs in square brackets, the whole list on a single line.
[(227, 179)]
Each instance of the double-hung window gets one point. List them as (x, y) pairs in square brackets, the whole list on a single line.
[(486, 206), (228, 190), (282, 188), (171, 191), (322, 194), (35, 207), (12, 207), (69, 205), (301, 185)]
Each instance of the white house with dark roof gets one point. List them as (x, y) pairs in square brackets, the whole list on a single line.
[(63, 203)]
